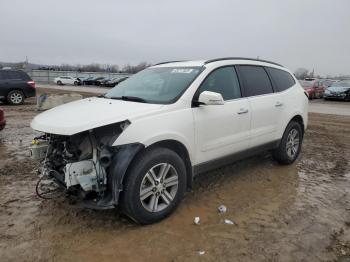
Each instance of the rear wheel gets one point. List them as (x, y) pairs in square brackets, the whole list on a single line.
[(154, 186), (290, 145), (15, 97)]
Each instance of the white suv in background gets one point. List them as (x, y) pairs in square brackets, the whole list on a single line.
[(66, 80), (140, 145)]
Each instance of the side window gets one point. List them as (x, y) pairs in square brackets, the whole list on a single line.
[(255, 80), (224, 81), (13, 75), (2, 75), (282, 79)]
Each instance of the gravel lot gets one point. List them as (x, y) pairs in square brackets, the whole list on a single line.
[(282, 213)]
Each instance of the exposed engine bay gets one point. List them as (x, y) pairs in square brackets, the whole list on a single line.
[(79, 162)]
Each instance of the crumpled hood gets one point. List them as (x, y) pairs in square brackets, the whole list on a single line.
[(89, 113), (340, 89)]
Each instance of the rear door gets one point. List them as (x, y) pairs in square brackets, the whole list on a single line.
[(221, 130), (266, 105)]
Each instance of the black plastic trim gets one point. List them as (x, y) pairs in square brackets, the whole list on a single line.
[(240, 58), (168, 62), (226, 160)]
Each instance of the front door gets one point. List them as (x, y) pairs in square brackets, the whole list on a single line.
[(221, 130)]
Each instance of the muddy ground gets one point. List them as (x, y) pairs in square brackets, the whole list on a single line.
[(282, 213)]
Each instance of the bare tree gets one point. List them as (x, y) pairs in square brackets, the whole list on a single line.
[(134, 69), (301, 73)]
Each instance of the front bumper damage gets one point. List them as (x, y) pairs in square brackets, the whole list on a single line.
[(121, 160), (86, 165)]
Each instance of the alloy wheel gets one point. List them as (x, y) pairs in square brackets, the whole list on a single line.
[(159, 187), (16, 98), (293, 143)]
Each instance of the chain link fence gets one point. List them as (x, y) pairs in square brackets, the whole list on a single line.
[(48, 76)]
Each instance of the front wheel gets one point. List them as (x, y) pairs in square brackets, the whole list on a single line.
[(154, 186), (290, 145)]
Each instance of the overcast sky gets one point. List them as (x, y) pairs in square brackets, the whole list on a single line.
[(296, 33)]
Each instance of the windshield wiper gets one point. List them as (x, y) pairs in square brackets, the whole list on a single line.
[(129, 98)]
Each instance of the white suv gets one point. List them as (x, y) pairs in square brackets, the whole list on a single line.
[(66, 80), (140, 145)]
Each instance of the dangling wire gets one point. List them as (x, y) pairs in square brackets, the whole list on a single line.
[(43, 194)]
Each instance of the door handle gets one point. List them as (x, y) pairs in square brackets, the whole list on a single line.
[(242, 111), (278, 104)]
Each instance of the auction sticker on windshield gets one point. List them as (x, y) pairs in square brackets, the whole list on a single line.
[(182, 70)]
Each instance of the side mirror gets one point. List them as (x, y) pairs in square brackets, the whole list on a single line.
[(210, 98)]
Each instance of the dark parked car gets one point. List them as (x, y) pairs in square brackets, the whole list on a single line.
[(81, 79), (92, 80), (101, 82), (15, 86), (339, 90), (115, 81), (88, 81), (314, 88), (104, 81), (2, 119)]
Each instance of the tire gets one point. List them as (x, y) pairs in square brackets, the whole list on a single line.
[(286, 154), (75, 83), (59, 82), (15, 97), (138, 178)]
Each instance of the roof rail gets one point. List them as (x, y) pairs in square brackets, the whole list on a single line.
[(239, 58), (168, 62)]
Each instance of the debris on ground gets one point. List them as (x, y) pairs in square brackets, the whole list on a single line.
[(229, 222), (197, 220), (222, 209), (201, 252)]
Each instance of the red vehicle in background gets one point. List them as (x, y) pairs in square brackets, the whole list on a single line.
[(2, 119), (314, 88)]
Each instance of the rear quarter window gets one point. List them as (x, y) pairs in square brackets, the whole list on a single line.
[(255, 80), (2, 75), (282, 79), (13, 75)]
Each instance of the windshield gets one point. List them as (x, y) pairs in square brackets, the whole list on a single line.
[(162, 85), (306, 84), (342, 83)]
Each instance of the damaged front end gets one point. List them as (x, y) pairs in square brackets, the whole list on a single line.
[(86, 164)]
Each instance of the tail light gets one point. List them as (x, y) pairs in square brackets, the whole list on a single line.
[(31, 83), (2, 114)]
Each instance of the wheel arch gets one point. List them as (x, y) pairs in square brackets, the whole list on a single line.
[(299, 119), (182, 151)]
